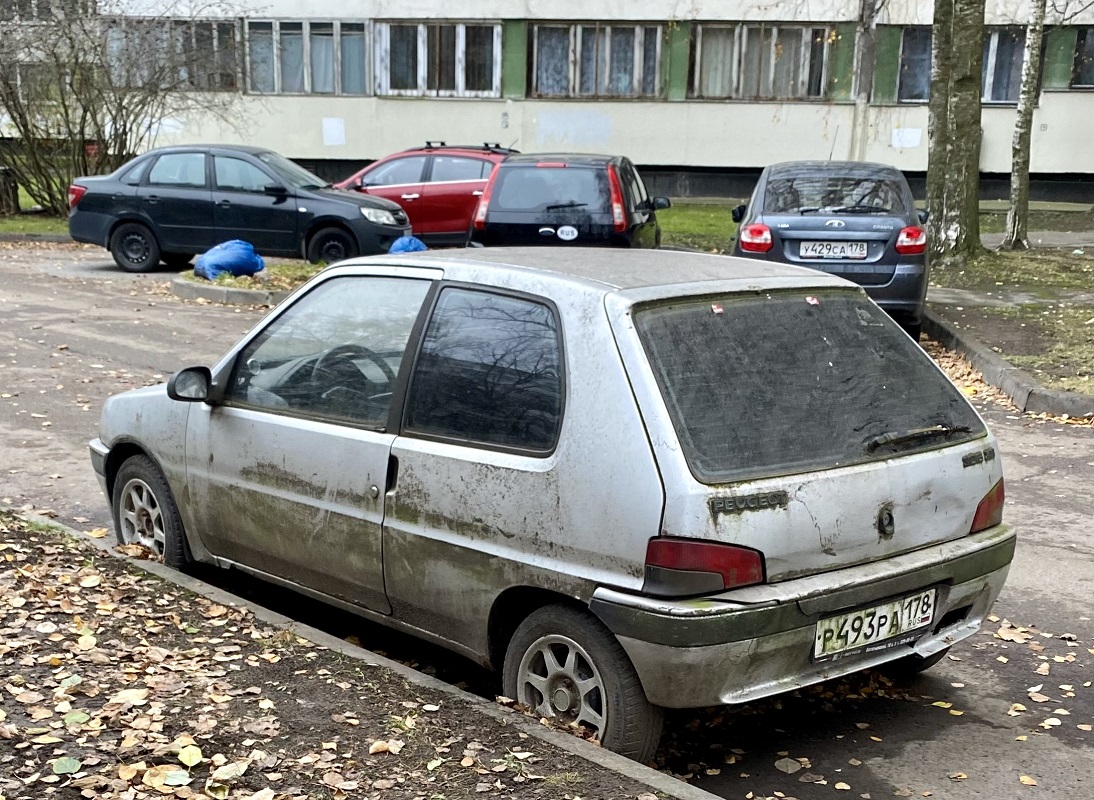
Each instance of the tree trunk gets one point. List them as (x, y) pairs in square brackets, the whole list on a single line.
[(954, 132), (865, 64), (1016, 237)]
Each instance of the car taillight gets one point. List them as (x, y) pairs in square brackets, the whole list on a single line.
[(74, 194), (619, 216), (703, 566), (990, 511), (756, 238), (479, 221), (912, 241)]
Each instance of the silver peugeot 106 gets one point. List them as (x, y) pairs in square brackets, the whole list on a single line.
[(628, 481)]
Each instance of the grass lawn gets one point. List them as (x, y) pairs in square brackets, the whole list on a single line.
[(1040, 272), (705, 227), (33, 224)]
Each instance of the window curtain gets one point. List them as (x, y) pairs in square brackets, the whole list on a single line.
[(260, 38), (353, 59), (716, 63), (292, 57), (620, 77), (478, 58), (321, 38), (403, 58), (552, 61)]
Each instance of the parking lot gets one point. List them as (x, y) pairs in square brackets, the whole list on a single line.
[(74, 330)]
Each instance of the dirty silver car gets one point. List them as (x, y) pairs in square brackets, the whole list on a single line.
[(628, 481)]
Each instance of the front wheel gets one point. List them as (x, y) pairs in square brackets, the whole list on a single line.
[(330, 245), (564, 664), (145, 512), (134, 248)]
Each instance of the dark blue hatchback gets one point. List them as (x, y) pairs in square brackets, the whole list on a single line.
[(856, 220)]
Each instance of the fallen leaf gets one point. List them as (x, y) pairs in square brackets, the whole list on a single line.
[(90, 581), (1026, 780), (957, 776), (942, 704), (432, 765), (431, 707), (66, 766), (190, 755), (132, 697), (1085, 727), (1043, 669), (788, 765), (1016, 709), (1037, 697), (843, 787)]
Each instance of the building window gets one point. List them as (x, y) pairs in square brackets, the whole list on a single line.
[(759, 62), (173, 54), (438, 59), (596, 60), (1004, 50), (915, 65), (290, 57), (1082, 75)]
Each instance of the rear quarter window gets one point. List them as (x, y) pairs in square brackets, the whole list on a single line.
[(789, 382), (535, 188)]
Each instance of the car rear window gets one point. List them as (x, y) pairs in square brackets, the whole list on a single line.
[(534, 188), (813, 193), (788, 382)]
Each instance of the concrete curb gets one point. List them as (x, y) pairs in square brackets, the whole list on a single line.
[(52, 238), (187, 289), (1023, 390), (658, 782)]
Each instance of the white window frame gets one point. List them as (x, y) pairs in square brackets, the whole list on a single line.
[(382, 53), (576, 31), (900, 62), (306, 33), (766, 92), (1083, 33)]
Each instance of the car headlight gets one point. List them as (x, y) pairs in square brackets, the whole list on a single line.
[(378, 215)]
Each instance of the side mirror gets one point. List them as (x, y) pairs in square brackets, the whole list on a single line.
[(190, 385), (661, 203), (923, 215), (738, 213), (275, 189)]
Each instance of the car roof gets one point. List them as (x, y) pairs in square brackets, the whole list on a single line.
[(851, 169), (189, 148), (571, 159), (608, 269), (486, 148)]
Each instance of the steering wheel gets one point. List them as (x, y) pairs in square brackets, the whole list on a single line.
[(345, 352)]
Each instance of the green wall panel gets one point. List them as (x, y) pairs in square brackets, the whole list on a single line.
[(887, 64), (1059, 57), (841, 62), (514, 58)]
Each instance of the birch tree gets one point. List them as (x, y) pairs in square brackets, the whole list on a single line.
[(954, 132)]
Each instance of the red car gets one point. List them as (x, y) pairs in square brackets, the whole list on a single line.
[(438, 185)]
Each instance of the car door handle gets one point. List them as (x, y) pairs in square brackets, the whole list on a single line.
[(224, 203), (152, 199), (410, 196), (476, 193)]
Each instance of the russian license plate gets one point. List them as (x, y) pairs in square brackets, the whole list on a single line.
[(832, 250), (886, 625)]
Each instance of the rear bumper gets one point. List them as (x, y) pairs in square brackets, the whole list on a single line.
[(747, 644), (99, 452)]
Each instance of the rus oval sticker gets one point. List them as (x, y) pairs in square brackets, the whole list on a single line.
[(567, 233)]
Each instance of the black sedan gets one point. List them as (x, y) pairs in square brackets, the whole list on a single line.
[(852, 219), (173, 202)]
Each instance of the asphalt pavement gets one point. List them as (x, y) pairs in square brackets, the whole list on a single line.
[(74, 330)]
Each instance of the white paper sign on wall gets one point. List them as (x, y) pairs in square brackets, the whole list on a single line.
[(906, 138)]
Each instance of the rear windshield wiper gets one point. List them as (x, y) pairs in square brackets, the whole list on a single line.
[(914, 435), (558, 206), (862, 210), (809, 210)]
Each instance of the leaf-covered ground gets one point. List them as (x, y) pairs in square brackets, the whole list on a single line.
[(116, 684)]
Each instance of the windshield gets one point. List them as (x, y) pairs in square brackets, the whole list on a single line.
[(292, 173), (789, 382), (550, 188), (819, 193)]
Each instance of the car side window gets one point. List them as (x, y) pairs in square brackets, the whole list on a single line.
[(401, 170), (237, 175), (489, 372), (179, 169), (640, 194), (133, 175), (458, 168), (334, 354)]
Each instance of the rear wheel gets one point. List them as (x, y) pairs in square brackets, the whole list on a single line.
[(329, 245), (176, 260), (564, 664), (134, 247), (145, 512)]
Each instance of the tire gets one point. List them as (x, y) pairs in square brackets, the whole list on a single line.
[(908, 667), (134, 248), (629, 724), (176, 260), (329, 245), (145, 512)]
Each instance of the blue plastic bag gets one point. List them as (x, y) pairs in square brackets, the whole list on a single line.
[(234, 257), (408, 244)]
